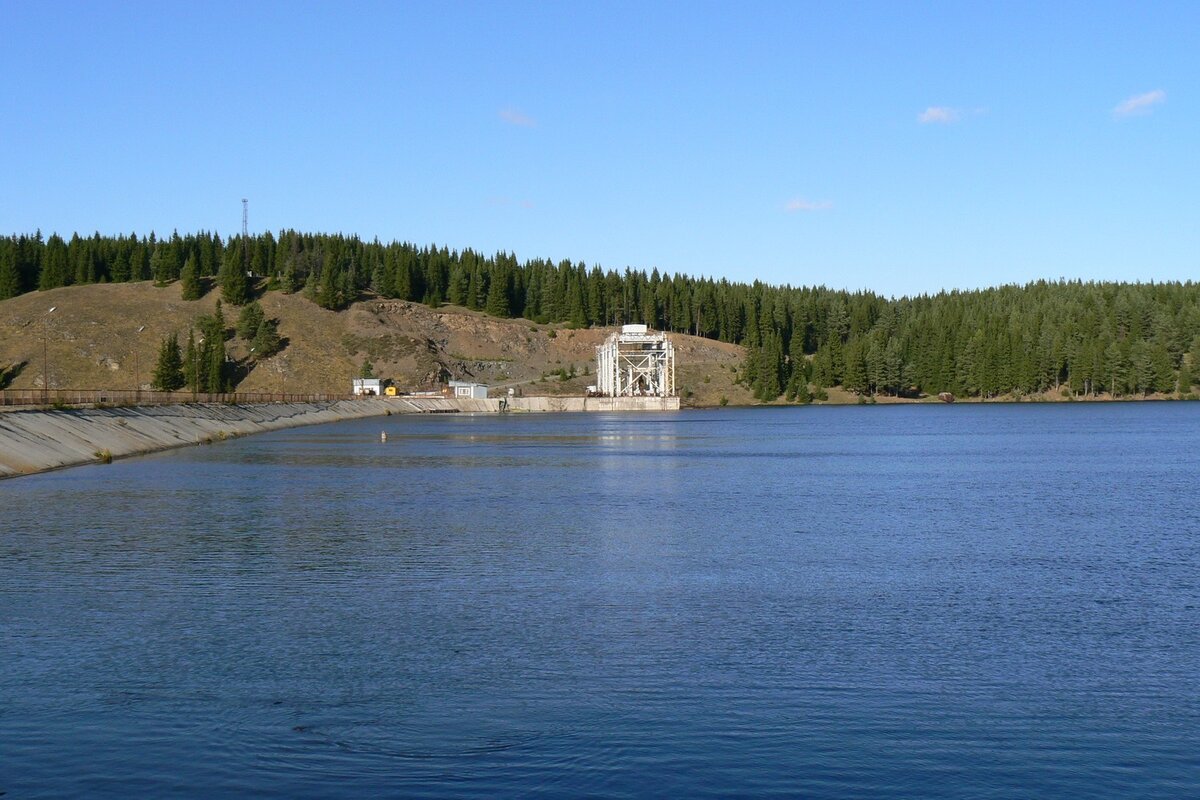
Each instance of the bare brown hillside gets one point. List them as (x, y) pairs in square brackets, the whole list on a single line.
[(108, 335)]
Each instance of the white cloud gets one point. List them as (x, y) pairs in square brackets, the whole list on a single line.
[(941, 115), (800, 204), (1140, 104), (514, 117)]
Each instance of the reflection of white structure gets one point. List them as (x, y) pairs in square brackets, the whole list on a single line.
[(636, 362), (475, 391)]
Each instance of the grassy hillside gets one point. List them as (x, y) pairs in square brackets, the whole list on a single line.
[(108, 335)]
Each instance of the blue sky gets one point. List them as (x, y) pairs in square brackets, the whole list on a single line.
[(898, 147)]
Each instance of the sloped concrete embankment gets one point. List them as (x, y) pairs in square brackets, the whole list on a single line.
[(35, 441)]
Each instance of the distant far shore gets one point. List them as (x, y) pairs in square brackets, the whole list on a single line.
[(841, 397)]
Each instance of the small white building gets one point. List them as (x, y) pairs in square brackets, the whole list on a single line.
[(368, 387), (473, 391)]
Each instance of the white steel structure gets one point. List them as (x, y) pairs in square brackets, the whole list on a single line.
[(636, 363)]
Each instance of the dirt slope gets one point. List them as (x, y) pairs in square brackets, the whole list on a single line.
[(92, 340)]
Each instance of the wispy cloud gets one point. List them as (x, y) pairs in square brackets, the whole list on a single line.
[(941, 115), (514, 117), (1140, 104), (801, 204)]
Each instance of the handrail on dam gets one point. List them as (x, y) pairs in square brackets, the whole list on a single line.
[(131, 397)]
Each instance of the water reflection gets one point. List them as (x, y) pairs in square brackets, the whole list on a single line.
[(824, 602)]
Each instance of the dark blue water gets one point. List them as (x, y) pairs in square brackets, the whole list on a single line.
[(965, 601)]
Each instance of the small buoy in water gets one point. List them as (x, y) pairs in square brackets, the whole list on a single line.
[(383, 436)]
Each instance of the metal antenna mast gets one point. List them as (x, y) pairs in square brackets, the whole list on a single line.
[(245, 237)]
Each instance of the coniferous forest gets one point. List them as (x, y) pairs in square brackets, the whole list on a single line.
[(1081, 339)]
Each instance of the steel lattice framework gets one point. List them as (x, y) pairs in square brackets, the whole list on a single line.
[(636, 362)]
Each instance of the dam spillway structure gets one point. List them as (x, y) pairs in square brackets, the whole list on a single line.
[(636, 362)]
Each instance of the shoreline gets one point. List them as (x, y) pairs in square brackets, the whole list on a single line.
[(40, 440)]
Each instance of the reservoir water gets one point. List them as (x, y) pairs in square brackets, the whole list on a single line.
[(951, 601)]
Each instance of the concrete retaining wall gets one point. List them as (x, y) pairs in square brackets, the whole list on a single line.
[(594, 404), (34, 441), (441, 405)]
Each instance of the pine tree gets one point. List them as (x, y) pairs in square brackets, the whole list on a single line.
[(10, 276), (497, 296), (459, 284), (54, 264), (191, 369), (856, 368), (168, 372), (1185, 379), (189, 279), (576, 313), (327, 293), (138, 255), (161, 266), (218, 323), (235, 287), (287, 278), (822, 368), (249, 320), (266, 339), (119, 267), (766, 379), (798, 389), (217, 381)]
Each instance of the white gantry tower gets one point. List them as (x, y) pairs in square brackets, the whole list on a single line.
[(636, 362)]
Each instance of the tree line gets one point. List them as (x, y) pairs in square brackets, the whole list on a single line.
[(1081, 338)]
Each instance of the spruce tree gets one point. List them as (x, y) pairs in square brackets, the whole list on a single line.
[(1185, 379), (287, 278), (119, 267), (160, 264), (216, 378), (497, 297), (168, 372), (55, 263), (249, 320), (266, 339), (218, 323), (327, 293), (10, 277), (191, 369), (856, 379), (235, 287), (459, 284), (189, 279)]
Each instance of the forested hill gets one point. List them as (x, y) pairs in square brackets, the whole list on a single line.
[(1082, 338)]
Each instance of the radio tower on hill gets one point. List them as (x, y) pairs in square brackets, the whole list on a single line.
[(245, 237)]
